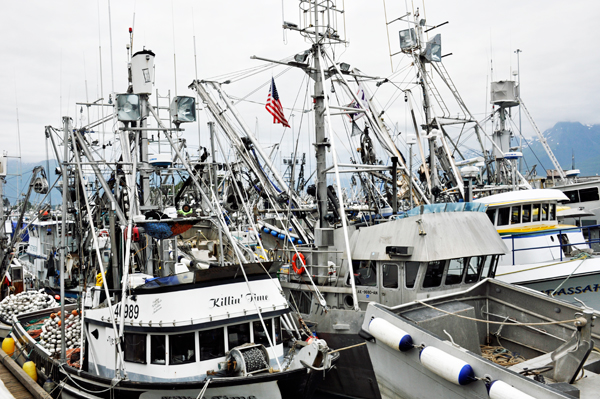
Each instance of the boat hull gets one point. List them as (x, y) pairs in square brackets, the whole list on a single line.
[(296, 384)]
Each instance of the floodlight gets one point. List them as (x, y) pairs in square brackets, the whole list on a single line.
[(344, 67), (301, 58), (128, 107), (433, 50), (183, 109), (408, 39)]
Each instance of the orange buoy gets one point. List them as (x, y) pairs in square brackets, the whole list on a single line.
[(52, 315), (8, 346), (75, 312), (297, 269)]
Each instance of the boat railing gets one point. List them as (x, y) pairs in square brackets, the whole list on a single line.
[(560, 233)]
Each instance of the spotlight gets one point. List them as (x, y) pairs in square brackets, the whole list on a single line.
[(183, 109), (128, 107)]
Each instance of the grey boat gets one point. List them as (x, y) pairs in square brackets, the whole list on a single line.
[(491, 340)]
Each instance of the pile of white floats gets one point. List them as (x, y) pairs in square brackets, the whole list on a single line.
[(50, 336), (25, 302)]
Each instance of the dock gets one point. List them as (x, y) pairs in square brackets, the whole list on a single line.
[(18, 383)]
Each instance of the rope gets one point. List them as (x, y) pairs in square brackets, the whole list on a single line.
[(502, 323), (500, 355), (348, 347)]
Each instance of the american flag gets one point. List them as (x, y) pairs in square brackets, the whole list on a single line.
[(274, 106)]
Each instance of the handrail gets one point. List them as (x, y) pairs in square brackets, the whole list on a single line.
[(559, 232)]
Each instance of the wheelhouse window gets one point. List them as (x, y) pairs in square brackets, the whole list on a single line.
[(474, 266), (411, 270), (238, 334), (135, 348), (515, 215), (535, 215), (365, 274), (260, 335), (545, 212), (212, 343), (182, 348), (589, 194), (526, 217), (503, 216), (573, 195), (552, 214), (489, 266), (158, 349), (434, 273), (456, 267), (492, 215), (390, 276)]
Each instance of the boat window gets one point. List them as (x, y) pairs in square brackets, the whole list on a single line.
[(573, 195), (456, 267), (589, 194), (433, 275), (492, 215), (212, 343), (544, 212), (158, 349), (515, 215), (526, 213), (238, 335), (489, 267), (390, 276), (135, 348), (411, 269), (260, 336), (474, 267), (503, 216), (535, 215), (182, 348), (552, 214), (277, 330), (365, 274)]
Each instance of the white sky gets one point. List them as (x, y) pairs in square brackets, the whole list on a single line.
[(51, 48)]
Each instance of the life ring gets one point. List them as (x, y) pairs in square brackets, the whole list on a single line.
[(103, 233), (302, 259)]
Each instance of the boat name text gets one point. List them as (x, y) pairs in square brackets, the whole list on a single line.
[(574, 290), (236, 300)]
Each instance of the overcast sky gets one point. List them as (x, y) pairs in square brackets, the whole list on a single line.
[(51, 54)]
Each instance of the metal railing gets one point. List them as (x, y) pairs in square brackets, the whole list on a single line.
[(559, 233)]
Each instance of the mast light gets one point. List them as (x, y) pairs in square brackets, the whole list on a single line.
[(183, 109), (408, 39), (128, 107)]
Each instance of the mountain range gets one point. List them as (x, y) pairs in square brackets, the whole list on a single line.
[(567, 140)]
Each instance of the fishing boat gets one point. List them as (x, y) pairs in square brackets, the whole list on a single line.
[(492, 340), (170, 325), (210, 333), (557, 259)]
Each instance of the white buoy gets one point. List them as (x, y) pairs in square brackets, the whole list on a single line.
[(390, 335), (448, 367), (501, 390)]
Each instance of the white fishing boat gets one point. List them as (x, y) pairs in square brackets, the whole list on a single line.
[(544, 255), (493, 340), (209, 333)]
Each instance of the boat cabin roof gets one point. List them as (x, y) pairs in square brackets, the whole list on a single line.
[(428, 237), (523, 196)]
